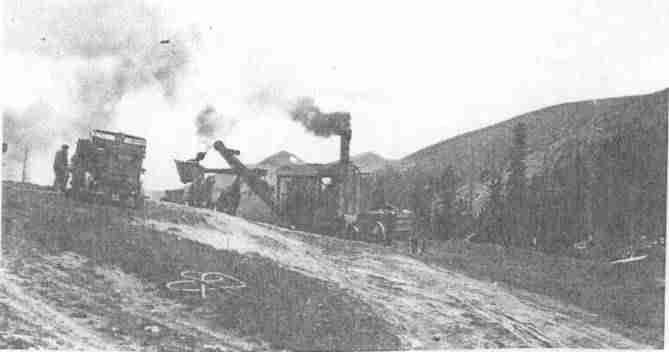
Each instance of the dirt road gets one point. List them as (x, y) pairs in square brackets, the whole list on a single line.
[(428, 306)]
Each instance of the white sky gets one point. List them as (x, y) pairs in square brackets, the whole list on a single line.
[(411, 73)]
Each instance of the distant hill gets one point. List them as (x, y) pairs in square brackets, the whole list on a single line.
[(279, 159), (367, 162), (251, 206), (370, 161), (552, 133)]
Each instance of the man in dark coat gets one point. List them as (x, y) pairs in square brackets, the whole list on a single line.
[(61, 168), (235, 195), (198, 187)]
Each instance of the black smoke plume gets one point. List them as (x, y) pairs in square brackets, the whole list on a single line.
[(210, 124), (305, 111)]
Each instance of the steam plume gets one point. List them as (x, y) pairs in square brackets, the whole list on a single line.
[(126, 46), (28, 130)]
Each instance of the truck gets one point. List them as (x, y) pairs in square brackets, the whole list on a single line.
[(107, 168)]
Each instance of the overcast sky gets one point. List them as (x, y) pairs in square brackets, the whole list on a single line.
[(411, 73)]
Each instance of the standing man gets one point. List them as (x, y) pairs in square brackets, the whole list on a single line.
[(208, 195), (197, 188), (235, 196), (61, 168)]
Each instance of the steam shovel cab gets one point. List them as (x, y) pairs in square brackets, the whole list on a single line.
[(108, 168), (333, 199)]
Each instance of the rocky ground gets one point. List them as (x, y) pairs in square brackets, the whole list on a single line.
[(82, 276)]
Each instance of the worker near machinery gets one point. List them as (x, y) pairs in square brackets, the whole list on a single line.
[(228, 201), (221, 202), (197, 188), (208, 190), (235, 195), (60, 168)]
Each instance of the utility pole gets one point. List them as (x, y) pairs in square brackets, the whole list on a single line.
[(5, 222), (471, 177), (24, 174)]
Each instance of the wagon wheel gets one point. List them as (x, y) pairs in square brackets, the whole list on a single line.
[(378, 232)]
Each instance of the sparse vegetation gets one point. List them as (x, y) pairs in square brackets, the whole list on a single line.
[(632, 294)]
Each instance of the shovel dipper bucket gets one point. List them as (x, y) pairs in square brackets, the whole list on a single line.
[(188, 170)]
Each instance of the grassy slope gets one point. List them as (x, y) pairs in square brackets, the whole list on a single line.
[(631, 296), (280, 306)]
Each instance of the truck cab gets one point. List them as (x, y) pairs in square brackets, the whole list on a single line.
[(108, 165)]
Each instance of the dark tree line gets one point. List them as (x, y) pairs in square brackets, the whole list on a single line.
[(606, 193), (440, 213)]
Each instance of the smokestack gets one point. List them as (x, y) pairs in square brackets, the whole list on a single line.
[(345, 146)]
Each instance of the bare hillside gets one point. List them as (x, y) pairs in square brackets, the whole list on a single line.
[(551, 131)]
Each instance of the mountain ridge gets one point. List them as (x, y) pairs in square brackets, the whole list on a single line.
[(279, 159), (577, 121)]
